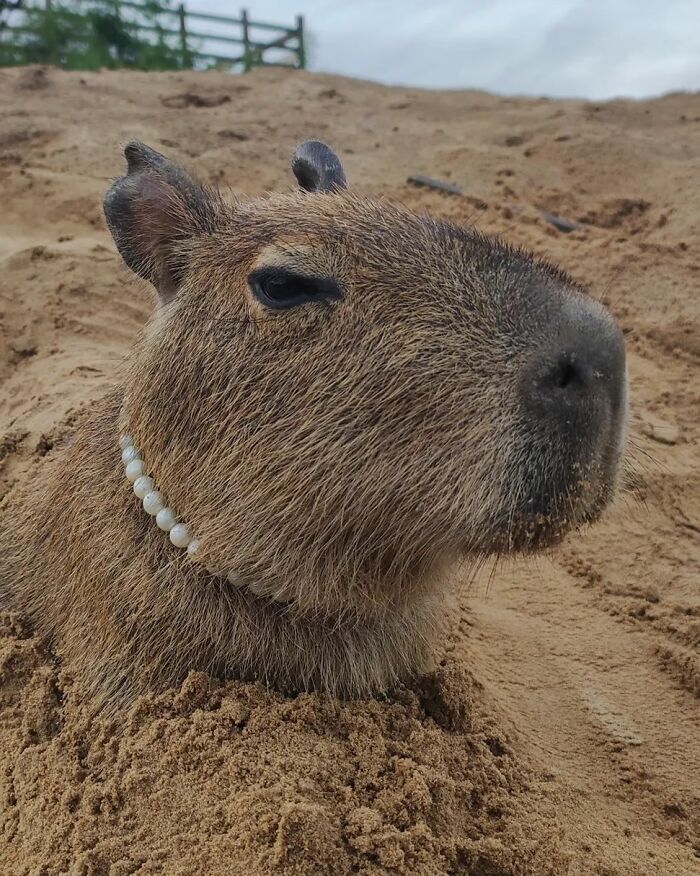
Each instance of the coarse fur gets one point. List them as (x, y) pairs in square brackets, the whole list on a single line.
[(339, 457)]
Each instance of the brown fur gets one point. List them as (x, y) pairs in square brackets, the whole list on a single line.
[(340, 457)]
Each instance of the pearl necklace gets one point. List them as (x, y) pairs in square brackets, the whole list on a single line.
[(153, 501), (179, 533)]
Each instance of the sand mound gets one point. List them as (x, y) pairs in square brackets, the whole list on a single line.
[(561, 733), (236, 778)]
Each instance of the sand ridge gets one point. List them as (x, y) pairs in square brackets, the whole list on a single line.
[(561, 732)]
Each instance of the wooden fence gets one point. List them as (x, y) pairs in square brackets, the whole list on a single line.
[(197, 34)]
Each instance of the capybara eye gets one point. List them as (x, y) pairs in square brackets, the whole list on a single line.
[(280, 288)]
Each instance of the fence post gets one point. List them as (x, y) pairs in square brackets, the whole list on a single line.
[(186, 62), (247, 56), (301, 50)]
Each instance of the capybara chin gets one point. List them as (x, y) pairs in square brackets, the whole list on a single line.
[(334, 403)]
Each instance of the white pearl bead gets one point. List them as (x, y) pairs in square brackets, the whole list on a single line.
[(129, 454), (192, 548), (180, 535), (166, 519), (143, 486), (134, 470), (126, 441), (152, 502)]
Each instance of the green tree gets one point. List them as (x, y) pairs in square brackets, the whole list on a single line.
[(91, 34)]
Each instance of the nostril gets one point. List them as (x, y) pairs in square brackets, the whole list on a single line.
[(577, 370), (565, 374)]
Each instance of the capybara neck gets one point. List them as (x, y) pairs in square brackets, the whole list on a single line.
[(153, 613)]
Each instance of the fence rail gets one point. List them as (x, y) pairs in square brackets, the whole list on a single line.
[(286, 48)]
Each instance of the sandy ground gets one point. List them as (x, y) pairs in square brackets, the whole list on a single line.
[(562, 731)]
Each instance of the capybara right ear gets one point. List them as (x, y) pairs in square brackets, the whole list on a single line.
[(317, 168), (152, 209)]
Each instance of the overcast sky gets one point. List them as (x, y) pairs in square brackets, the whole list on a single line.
[(583, 48)]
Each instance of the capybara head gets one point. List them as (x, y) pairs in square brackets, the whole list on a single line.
[(341, 397)]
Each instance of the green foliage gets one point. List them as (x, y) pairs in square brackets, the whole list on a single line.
[(79, 35), (251, 58)]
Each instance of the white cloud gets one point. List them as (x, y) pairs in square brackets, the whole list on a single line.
[(586, 48)]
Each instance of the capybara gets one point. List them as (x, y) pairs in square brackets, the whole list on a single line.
[(334, 405)]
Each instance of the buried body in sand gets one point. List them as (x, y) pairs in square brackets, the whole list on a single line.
[(229, 643)]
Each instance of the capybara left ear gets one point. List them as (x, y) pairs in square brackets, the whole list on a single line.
[(150, 210)]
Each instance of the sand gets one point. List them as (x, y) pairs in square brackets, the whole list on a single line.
[(561, 732)]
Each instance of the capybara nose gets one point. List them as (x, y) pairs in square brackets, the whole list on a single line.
[(578, 374)]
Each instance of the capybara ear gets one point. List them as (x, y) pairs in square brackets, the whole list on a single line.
[(317, 168), (153, 208)]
